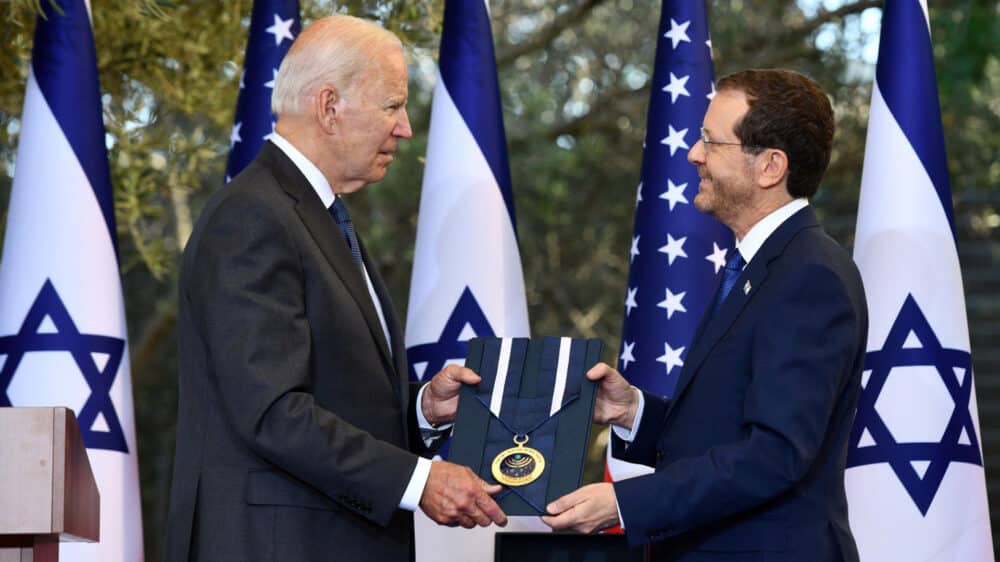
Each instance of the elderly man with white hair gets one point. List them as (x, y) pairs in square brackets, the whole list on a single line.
[(298, 434)]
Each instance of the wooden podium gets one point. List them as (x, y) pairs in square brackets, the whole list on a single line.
[(47, 491)]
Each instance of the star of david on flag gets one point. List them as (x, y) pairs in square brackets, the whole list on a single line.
[(920, 466), (467, 278), (915, 482), (86, 350), (467, 321), (274, 25), (677, 251), (63, 338)]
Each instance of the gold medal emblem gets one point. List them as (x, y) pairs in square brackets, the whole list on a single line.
[(518, 465)]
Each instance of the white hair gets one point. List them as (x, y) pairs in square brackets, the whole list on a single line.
[(333, 50)]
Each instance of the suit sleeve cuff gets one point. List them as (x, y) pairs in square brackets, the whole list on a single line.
[(415, 489), (427, 431), (628, 434)]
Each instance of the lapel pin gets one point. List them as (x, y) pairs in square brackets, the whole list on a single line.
[(746, 288)]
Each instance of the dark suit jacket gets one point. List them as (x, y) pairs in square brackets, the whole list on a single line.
[(294, 418), (750, 453)]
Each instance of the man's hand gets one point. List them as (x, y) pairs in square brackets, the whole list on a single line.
[(440, 399), (617, 400), (454, 495), (587, 510)]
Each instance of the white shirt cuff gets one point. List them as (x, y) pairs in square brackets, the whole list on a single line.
[(621, 522), (427, 431), (627, 434), (415, 489)]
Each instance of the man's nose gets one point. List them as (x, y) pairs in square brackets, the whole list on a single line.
[(403, 129), (697, 153)]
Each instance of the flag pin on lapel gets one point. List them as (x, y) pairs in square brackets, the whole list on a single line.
[(746, 288)]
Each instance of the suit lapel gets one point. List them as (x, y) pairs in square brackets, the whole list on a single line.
[(325, 232), (711, 330), (391, 322)]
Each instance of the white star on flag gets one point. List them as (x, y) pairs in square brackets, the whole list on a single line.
[(677, 33), (675, 139), (274, 76), (717, 257), (674, 248), (672, 303), (626, 356), (635, 248), (630, 300), (671, 357), (268, 136), (685, 73), (638, 194), (234, 136), (676, 87), (281, 29), (242, 76), (674, 194)]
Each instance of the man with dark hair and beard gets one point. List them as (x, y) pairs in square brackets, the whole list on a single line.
[(749, 453)]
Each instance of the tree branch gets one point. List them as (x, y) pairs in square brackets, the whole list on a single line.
[(546, 35), (608, 102), (826, 16)]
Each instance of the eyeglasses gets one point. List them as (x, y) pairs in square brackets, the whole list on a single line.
[(708, 142)]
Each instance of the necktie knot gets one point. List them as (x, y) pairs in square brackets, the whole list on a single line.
[(731, 271), (735, 261), (339, 212)]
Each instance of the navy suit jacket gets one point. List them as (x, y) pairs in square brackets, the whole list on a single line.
[(750, 452)]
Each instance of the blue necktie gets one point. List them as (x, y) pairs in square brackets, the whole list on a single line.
[(343, 218), (731, 271)]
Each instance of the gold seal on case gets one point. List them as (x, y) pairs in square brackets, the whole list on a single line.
[(518, 465)]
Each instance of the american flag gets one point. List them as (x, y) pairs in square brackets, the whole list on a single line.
[(274, 24), (677, 252)]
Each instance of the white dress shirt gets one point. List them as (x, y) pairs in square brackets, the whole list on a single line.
[(415, 489)]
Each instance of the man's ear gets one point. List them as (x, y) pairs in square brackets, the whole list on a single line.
[(772, 167), (326, 107)]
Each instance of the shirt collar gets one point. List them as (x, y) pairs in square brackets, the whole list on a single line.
[(315, 177), (766, 226)]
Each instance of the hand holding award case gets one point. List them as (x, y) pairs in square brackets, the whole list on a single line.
[(526, 426)]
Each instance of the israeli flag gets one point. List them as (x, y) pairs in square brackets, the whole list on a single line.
[(62, 319), (467, 279), (915, 482)]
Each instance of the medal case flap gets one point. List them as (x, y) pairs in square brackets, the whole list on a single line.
[(531, 380)]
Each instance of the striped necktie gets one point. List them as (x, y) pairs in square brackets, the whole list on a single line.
[(343, 218)]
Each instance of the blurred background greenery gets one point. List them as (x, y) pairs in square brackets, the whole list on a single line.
[(575, 84)]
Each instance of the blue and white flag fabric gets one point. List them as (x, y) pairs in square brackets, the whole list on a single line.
[(63, 340), (467, 280), (915, 482), (677, 252), (274, 25)]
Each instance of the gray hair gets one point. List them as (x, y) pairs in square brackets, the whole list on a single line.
[(333, 50)]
